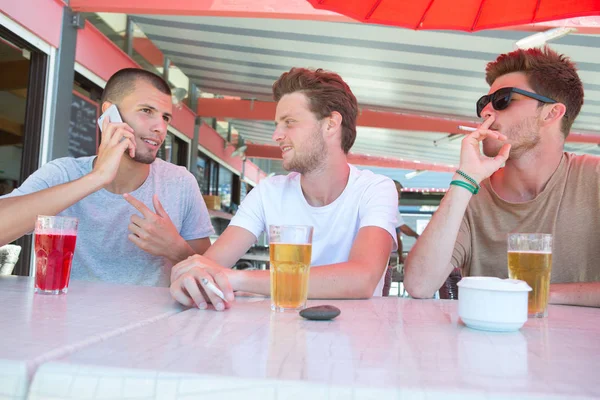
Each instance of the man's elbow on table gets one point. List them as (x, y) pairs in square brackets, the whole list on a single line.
[(415, 283), (365, 292), (360, 290), (354, 282), (417, 292)]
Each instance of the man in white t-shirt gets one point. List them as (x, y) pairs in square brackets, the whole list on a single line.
[(353, 212)]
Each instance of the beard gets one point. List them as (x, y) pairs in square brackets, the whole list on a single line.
[(311, 158), (523, 137), (144, 158)]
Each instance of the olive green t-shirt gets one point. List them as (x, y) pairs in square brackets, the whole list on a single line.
[(568, 208)]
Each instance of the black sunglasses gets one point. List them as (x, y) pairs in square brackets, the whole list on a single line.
[(501, 98)]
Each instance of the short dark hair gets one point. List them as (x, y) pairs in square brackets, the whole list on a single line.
[(326, 92), (122, 83), (548, 73), (398, 184)]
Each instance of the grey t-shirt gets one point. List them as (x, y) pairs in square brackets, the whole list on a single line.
[(103, 252)]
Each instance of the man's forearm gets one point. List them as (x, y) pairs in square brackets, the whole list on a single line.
[(230, 246), (252, 281), (346, 280), (18, 214), (180, 252), (427, 264), (576, 294)]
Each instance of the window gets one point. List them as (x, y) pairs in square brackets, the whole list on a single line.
[(22, 89), (203, 174), (216, 180), (166, 149), (13, 98), (208, 174), (173, 150), (225, 186)]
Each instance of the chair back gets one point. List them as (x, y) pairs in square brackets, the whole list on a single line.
[(9, 255), (449, 289)]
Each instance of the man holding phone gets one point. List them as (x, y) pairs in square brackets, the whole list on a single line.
[(138, 215)]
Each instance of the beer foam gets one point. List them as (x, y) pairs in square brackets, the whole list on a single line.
[(530, 251), (57, 231)]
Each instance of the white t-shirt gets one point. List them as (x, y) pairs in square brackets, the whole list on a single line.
[(368, 200)]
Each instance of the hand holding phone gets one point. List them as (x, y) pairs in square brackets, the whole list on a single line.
[(117, 138), (113, 115)]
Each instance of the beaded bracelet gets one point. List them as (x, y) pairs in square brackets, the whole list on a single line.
[(467, 177), (466, 185)]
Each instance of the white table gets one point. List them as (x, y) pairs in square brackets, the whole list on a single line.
[(378, 348), (39, 328)]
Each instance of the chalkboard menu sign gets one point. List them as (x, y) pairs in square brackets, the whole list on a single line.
[(83, 127)]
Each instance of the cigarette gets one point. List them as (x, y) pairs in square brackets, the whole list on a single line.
[(467, 128), (211, 286)]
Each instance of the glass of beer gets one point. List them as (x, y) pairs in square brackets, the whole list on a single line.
[(55, 239), (530, 260), (290, 249)]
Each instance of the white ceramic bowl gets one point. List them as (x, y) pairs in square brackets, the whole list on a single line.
[(493, 304)]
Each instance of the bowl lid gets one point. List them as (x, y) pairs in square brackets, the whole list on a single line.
[(492, 283)]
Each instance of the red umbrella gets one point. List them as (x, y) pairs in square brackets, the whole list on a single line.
[(463, 15)]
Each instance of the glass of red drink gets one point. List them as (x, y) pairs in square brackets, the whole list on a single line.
[(55, 239)]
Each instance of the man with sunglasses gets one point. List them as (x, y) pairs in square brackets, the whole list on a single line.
[(534, 98)]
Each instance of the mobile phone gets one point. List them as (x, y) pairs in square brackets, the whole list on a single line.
[(113, 115)]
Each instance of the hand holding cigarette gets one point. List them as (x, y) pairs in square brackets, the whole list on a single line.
[(198, 281), (211, 286)]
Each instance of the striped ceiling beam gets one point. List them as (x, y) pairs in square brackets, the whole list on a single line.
[(265, 111), (274, 153)]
